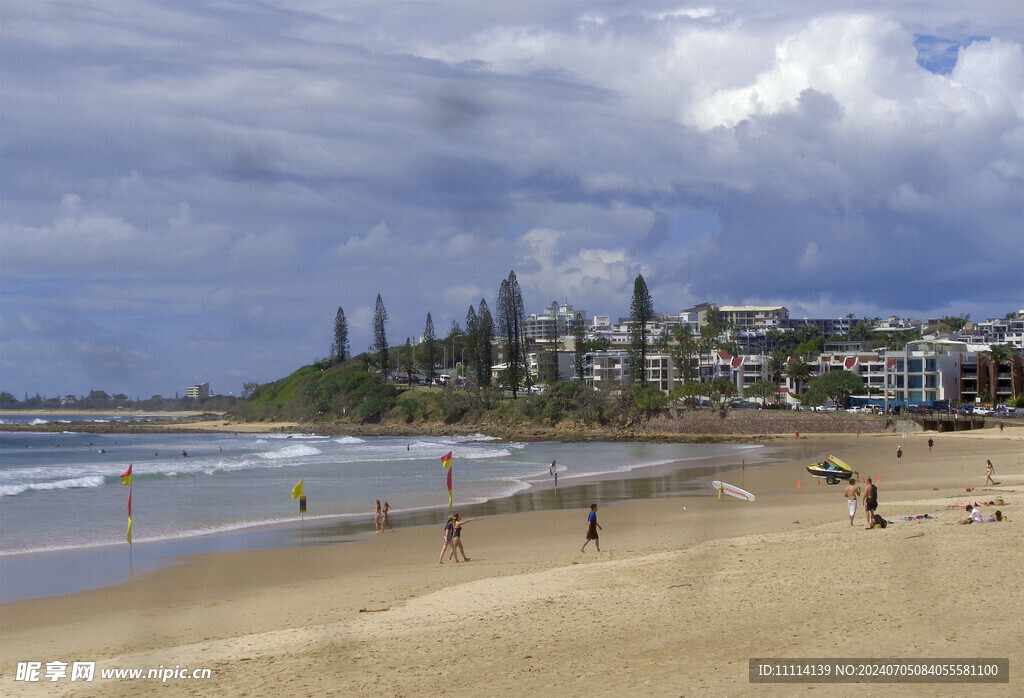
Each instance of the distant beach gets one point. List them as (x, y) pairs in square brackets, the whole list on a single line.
[(686, 589)]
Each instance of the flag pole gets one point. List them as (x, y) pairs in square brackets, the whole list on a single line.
[(298, 494), (126, 480)]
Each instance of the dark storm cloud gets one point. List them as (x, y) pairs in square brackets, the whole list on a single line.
[(189, 191)]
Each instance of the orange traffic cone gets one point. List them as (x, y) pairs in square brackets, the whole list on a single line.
[(798, 485), (878, 479)]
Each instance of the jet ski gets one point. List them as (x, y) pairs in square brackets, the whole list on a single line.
[(832, 470)]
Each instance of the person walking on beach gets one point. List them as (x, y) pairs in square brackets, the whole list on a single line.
[(931, 442), (852, 493), (384, 520), (457, 539), (446, 539), (554, 472), (899, 454), (870, 502), (989, 471), (376, 518), (592, 528)]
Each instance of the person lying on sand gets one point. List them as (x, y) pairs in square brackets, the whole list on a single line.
[(977, 505)]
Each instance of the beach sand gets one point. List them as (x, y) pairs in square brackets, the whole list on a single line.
[(682, 594)]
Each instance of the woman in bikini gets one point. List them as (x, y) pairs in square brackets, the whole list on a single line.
[(376, 518), (457, 540), (385, 521)]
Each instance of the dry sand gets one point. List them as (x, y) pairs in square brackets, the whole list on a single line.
[(684, 592)]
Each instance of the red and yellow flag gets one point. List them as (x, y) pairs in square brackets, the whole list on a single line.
[(446, 462), (126, 480)]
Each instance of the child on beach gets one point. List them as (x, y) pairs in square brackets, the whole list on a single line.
[(592, 528), (852, 493)]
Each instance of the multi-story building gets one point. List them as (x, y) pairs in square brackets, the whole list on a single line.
[(830, 327), (198, 391), (556, 321), (1008, 330), (605, 369), (753, 316)]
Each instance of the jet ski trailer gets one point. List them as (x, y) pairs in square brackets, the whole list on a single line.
[(832, 470)]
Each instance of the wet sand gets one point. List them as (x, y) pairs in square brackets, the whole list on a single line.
[(684, 591)]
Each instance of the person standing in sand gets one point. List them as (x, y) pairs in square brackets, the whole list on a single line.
[(870, 502), (384, 520), (592, 528), (852, 493), (376, 518), (931, 442), (899, 454), (989, 470)]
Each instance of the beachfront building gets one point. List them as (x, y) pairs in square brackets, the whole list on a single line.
[(923, 372), (849, 356), (538, 363), (610, 369), (1004, 380), (753, 316), (606, 369), (556, 321), (198, 391), (830, 327), (895, 324), (1008, 330), (660, 371)]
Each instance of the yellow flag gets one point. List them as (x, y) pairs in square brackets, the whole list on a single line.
[(129, 536), (297, 490)]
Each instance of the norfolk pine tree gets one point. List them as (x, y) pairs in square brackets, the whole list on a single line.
[(380, 336), (641, 311), (430, 349), (340, 346)]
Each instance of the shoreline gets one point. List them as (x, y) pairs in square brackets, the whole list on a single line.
[(677, 601), (539, 495)]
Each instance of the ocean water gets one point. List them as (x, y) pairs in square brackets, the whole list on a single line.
[(61, 496)]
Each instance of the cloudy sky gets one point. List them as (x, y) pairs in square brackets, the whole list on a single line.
[(190, 190)]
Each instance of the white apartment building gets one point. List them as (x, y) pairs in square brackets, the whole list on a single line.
[(198, 391), (556, 321)]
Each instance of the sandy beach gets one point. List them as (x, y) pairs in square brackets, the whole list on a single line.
[(683, 593)]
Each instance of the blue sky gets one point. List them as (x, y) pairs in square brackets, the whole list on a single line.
[(189, 191)]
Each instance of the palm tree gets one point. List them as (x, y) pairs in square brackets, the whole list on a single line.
[(798, 371), (998, 354)]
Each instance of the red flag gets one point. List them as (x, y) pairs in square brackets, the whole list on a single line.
[(126, 476), (450, 487), (446, 460)]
